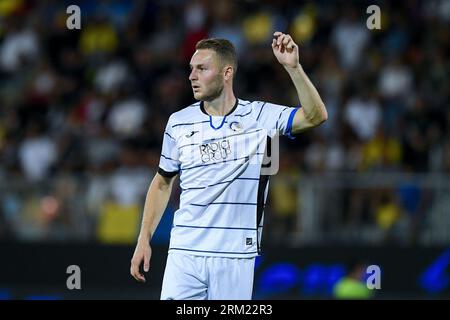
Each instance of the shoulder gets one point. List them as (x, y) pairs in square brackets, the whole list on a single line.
[(256, 109), (249, 103), (260, 107), (247, 106), (187, 114)]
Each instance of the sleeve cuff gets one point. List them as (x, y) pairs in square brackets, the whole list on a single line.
[(288, 132), (167, 174)]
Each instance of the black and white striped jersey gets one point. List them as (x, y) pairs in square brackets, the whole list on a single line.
[(219, 160)]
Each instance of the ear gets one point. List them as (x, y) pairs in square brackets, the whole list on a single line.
[(228, 72)]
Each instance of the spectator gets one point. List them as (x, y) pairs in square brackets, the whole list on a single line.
[(353, 285), (37, 153)]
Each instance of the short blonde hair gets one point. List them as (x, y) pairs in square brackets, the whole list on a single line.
[(224, 49)]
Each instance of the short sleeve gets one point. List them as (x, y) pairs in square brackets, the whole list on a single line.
[(277, 119), (169, 164)]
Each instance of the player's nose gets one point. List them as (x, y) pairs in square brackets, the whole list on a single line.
[(192, 75)]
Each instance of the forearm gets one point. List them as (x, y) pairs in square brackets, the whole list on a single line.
[(313, 106), (155, 204)]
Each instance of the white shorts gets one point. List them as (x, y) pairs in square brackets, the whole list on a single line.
[(190, 277)]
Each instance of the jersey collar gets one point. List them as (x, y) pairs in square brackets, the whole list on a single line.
[(202, 108)]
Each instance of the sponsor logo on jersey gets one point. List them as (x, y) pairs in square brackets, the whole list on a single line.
[(215, 151), (191, 134)]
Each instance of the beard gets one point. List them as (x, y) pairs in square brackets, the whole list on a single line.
[(214, 90)]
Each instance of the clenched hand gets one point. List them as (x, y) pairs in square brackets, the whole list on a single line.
[(285, 50)]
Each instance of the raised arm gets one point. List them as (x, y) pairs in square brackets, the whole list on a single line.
[(155, 204), (313, 111)]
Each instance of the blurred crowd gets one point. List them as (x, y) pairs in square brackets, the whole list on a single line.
[(82, 112)]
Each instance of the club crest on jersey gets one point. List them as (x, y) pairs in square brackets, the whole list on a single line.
[(236, 126), (215, 151)]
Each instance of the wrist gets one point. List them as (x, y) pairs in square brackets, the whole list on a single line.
[(295, 68), (144, 237)]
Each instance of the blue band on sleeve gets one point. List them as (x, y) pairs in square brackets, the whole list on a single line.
[(288, 132)]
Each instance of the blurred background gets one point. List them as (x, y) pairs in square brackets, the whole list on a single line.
[(82, 113)]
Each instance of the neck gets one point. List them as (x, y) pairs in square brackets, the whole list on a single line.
[(221, 105)]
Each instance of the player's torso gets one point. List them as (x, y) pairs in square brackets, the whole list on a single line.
[(220, 166), (211, 146)]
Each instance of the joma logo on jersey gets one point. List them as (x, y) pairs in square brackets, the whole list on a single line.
[(215, 151)]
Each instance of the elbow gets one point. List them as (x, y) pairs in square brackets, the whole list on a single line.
[(321, 116), (324, 114), (162, 183)]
